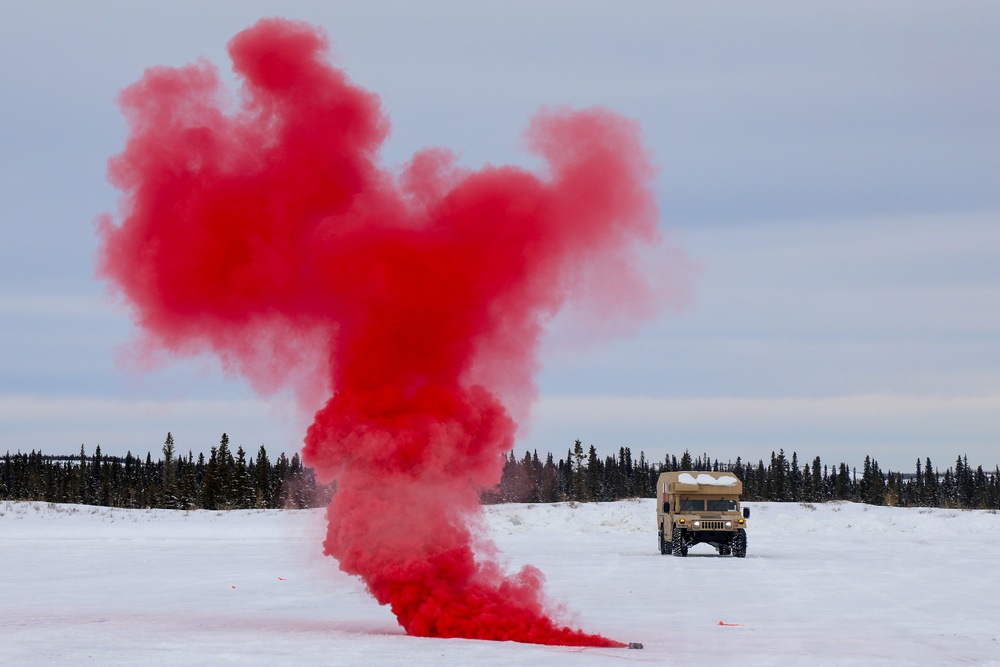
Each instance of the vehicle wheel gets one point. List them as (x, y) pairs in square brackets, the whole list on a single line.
[(663, 545), (740, 544), (677, 543), (725, 550)]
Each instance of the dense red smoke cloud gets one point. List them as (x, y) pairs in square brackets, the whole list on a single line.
[(262, 227)]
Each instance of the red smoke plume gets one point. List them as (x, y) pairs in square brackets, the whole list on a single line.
[(265, 230)]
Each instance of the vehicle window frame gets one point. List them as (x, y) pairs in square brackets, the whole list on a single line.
[(730, 505)]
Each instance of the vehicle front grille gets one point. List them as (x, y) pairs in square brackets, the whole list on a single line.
[(713, 525)]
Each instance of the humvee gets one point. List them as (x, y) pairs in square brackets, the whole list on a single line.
[(701, 508)]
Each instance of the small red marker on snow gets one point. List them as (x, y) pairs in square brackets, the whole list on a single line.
[(234, 586), (731, 625), (281, 579)]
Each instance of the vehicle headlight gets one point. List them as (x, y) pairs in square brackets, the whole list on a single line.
[(729, 524), (697, 524)]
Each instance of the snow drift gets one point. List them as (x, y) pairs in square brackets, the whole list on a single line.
[(824, 584)]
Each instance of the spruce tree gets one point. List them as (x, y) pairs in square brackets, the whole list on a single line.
[(918, 485), (843, 489), (226, 472), (303, 483), (930, 497), (281, 498), (152, 473), (549, 487), (210, 486), (873, 483), (244, 496), (105, 496), (580, 492), (816, 491), (980, 493), (778, 484), (686, 463), (81, 488), (760, 481), (265, 498), (94, 477), (170, 494), (593, 475), (188, 486), (795, 479), (966, 482), (536, 476), (566, 476)]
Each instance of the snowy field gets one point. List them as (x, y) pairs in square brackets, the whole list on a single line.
[(838, 583)]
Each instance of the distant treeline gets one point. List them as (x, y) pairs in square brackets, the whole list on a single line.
[(587, 477), (228, 481), (223, 481)]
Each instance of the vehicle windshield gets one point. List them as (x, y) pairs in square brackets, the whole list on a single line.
[(726, 505), (688, 505)]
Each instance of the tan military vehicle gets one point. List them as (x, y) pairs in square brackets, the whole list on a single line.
[(701, 508)]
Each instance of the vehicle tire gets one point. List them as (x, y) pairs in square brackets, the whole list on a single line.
[(677, 543), (740, 544), (663, 545), (726, 550)]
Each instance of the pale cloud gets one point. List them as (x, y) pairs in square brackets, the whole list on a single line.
[(819, 161)]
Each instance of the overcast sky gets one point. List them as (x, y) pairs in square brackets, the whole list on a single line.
[(832, 167)]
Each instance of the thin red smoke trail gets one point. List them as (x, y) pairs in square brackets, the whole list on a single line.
[(263, 228)]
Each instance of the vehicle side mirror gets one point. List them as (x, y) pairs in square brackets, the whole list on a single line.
[(746, 512), (666, 508)]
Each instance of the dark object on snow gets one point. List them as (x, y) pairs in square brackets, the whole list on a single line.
[(635, 645)]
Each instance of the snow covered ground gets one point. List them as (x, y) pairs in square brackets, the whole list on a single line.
[(837, 583)]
